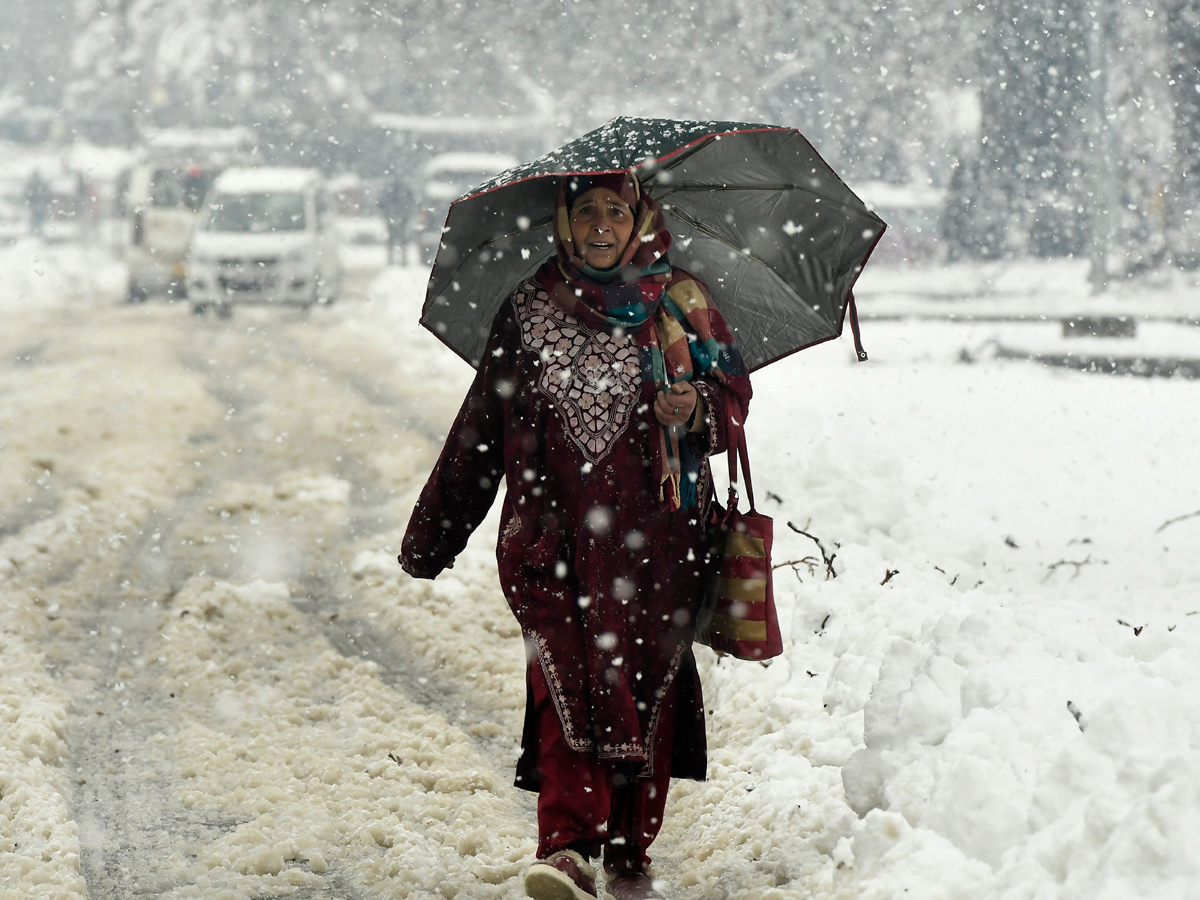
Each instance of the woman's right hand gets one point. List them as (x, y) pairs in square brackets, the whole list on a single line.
[(673, 407)]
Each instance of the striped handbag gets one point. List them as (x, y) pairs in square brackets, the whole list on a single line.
[(737, 614)]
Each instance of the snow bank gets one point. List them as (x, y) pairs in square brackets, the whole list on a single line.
[(1013, 711), (397, 296), (35, 276), (993, 697), (39, 842)]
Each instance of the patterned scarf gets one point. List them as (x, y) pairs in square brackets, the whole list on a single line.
[(670, 314)]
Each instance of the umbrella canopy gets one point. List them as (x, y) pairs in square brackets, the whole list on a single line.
[(753, 209)]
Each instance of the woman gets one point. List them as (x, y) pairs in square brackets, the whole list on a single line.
[(606, 383)]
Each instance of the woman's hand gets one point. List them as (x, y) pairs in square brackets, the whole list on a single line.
[(674, 406)]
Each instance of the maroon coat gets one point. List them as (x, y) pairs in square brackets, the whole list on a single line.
[(602, 577)]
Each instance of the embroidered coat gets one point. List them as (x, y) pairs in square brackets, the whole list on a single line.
[(603, 578)]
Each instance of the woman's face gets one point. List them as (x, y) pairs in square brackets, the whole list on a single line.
[(601, 223)]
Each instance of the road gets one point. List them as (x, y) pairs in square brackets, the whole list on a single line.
[(199, 516)]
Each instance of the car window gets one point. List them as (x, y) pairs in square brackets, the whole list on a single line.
[(258, 212)]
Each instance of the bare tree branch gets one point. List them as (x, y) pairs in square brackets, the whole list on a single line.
[(1078, 564), (829, 572), (810, 562), (1170, 522)]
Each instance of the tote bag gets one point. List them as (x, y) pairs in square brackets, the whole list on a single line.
[(737, 613)]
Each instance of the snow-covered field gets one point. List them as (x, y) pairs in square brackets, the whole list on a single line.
[(215, 681)]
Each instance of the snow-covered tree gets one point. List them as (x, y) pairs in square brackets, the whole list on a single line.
[(995, 99), (1183, 36)]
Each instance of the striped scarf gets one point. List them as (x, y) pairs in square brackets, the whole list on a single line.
[(669, 313)]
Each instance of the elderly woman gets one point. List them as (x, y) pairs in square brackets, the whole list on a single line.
[(607, 381)]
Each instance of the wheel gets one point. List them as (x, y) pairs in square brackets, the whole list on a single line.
[(135, 293), (199, 308), (224, 311)]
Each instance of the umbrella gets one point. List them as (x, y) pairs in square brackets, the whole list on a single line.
[(753, 209)]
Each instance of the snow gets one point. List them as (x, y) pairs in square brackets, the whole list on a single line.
[(469, 162), (993, 698), (35, 276), (265, 179)]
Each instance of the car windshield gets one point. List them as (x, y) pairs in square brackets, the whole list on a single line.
[(256, 212)]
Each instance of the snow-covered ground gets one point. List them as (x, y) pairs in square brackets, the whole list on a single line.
[(215, 681)]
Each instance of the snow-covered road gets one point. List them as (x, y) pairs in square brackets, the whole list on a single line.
[(215, 682), (185, 500)]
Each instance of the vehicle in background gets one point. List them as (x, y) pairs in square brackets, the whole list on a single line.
[(165, 194), (444, 179), (267, 235), (913, 214), (363, 243)]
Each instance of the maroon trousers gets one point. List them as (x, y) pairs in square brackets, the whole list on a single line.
[(592, 806)]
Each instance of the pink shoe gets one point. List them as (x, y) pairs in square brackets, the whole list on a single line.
[(564, 875)]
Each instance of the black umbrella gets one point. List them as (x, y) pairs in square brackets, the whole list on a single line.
[(754, 211)]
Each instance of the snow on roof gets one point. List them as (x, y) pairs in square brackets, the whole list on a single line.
[(459, 124), (484, 163), (264, 179), (191, 138), (880, 195)]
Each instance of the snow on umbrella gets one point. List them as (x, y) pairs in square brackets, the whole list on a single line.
[(753, 209)]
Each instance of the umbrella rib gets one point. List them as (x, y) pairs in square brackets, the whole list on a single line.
[(717, 237), (675, 161), (733, 187), (495, 240), (696, 188)]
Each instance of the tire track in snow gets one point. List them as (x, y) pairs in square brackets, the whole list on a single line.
[(350, 634), (127, 802)]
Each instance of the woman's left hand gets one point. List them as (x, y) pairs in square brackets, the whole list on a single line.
[(674, 406)]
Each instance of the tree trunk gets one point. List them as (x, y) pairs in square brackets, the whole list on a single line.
[(1183, 32), (1034, 103)]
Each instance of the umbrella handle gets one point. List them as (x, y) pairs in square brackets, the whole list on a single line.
[(853, 310)]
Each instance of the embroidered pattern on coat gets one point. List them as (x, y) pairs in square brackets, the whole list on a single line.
[(581, 743), (593, 378)]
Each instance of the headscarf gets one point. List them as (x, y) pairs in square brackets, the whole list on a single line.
[(669, 313)]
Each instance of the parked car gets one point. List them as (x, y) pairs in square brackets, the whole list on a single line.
[(443, 179), (166, 191), (363, 243), (266, 235), (914, 218)]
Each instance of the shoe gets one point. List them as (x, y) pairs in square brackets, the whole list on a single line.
[(564, 875), (636, 885)]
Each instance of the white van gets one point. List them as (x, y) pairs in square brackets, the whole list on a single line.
[(266, 235), (166, 189)]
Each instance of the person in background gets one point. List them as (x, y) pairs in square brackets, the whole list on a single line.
[(608, 380), (396, 204), (39, 198)]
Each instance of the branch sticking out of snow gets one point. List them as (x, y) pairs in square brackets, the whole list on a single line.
[(829, 572), (1173, 521)]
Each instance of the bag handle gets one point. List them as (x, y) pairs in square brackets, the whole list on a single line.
[(734, 452)]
